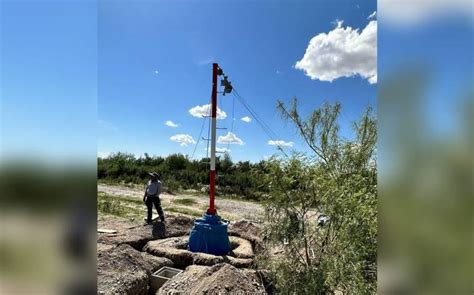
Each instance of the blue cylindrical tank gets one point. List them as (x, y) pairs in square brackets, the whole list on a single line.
[(209, 235)]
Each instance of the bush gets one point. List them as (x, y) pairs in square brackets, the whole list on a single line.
[(242, 179), (339, 180)]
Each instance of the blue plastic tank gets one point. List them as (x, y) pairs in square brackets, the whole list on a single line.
[(209, 235)]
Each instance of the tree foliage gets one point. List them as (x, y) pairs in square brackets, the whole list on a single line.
[(241, 179), (337, 180)]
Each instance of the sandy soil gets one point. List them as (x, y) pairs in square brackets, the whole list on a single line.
[(230, 209), (127, 257)]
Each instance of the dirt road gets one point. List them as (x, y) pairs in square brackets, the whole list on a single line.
[(230, 209)]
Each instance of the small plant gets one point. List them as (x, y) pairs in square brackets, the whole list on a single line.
[(185, 211), (108, 205)]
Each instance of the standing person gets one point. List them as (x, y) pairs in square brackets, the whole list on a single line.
[(152, 197)]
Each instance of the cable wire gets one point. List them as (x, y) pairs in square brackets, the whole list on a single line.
[(268, 131), (199, 138), (233, 119)]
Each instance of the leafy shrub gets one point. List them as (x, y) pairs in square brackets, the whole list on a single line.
[(339, 180)]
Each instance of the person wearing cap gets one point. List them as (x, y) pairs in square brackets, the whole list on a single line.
[(152, 197)]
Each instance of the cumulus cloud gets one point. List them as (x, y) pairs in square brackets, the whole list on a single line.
[(372, 15), (171, 124), (205, 110), (280, 143), (230, 138), (342, 52), (246, 119), (183, 139)]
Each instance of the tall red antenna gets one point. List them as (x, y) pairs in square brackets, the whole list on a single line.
[(212, 173), (209, 234)]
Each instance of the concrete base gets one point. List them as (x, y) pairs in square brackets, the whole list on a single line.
[(161, 276)]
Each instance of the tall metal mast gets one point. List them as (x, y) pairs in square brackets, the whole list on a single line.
[(212, 173), (209, 234)]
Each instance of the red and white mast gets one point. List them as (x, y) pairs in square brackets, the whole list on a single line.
[(212, 173)]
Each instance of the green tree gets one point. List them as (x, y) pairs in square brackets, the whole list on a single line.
[(339, 181)]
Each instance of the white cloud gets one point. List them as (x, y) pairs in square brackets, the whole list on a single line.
[(230, 138), (157, 72), (372, 15), (183, 139), (219, 150), (171, 124), (342, 52), (246, 119), (281, 143), (205, 110), (413, 12)]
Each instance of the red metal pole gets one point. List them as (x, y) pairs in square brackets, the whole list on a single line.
[(212, 173)]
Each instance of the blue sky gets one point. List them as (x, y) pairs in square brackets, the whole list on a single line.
[(49, 80), (79, 77), (154, 65)]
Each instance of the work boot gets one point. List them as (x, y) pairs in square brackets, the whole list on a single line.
[(148, 222)]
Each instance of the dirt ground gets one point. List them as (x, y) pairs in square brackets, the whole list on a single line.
[(129, 255), (218, 279), (123, 270), (229, 209)]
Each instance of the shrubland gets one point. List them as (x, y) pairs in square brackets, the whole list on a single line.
[(321, 209), (178, 172)]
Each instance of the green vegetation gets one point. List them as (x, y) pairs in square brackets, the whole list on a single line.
[(185, 201), (205, 207), (120, 206), (339, 180), (123, 206), (182, 210), (243, 179), (109, 205)]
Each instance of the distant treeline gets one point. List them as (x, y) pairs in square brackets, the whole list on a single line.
[(240, 179)]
